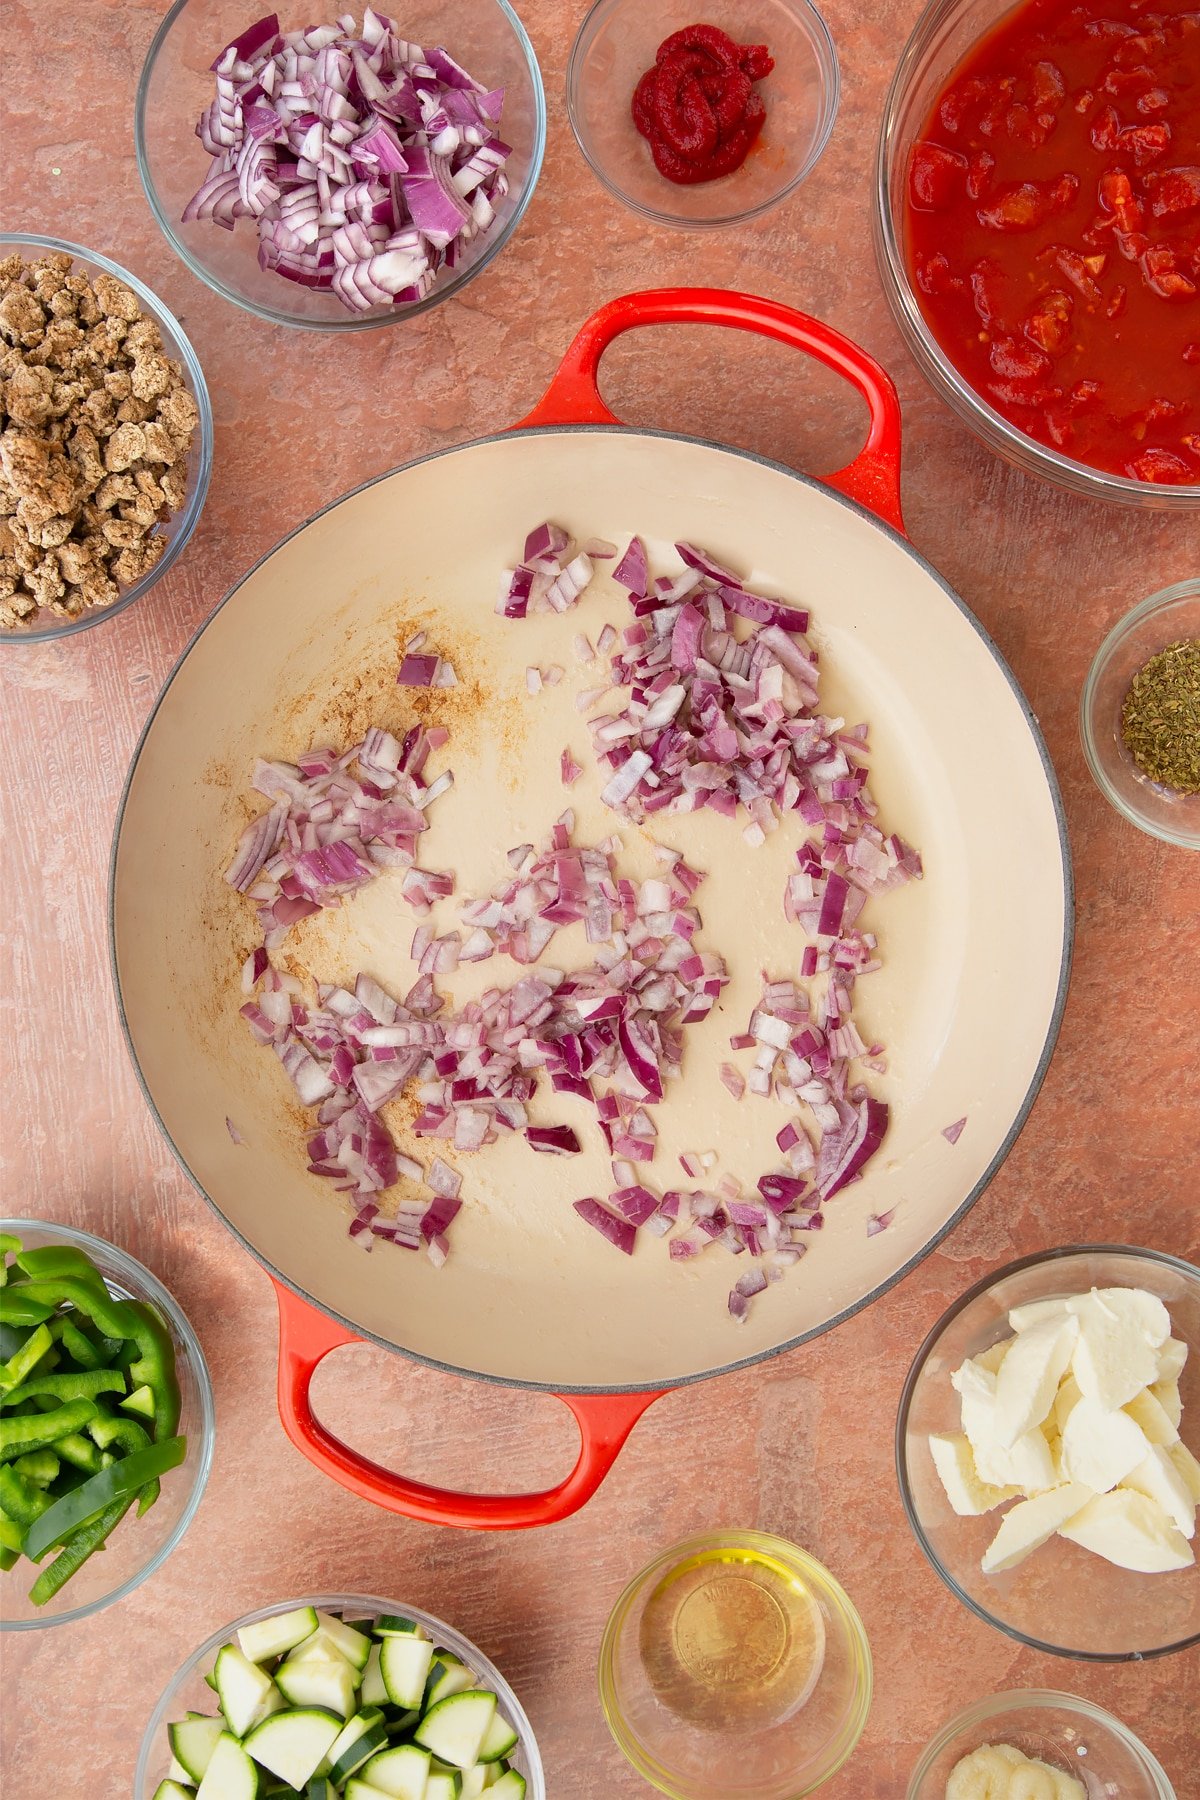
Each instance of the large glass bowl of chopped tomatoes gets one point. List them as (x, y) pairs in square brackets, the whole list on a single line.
[(1037, 227)]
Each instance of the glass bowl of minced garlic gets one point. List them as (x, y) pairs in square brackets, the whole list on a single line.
[(1034, 1742)]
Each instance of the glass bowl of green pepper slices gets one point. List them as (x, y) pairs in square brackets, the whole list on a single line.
[(106, 1424)]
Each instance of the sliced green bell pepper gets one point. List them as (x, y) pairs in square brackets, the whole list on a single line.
[(20, 1499), (75, 1552), (155, 1367), (86, 1503), (39, 1343), (39, 1466), (77, 1384), (37, 1431), (79, 1451), (92, 1300), (18, 1307)]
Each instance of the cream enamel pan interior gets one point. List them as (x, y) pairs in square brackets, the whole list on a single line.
[(305, 651)]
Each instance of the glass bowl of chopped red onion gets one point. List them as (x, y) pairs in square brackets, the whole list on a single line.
[(1170, 617), (339, 173), (619, 40)]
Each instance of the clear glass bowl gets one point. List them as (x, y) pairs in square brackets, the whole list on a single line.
[(614, 47), (181, 525), (1081, 1739), (187, 1690), (177, 83), (138, 1547), (663, 1678), (1061, 1599), (1163, 619), (946, 31)]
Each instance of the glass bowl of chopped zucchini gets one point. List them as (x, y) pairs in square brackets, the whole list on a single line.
[(1078, 1752), (1139, 715), (339, 1695), (1046, 1447), (106, 1424)]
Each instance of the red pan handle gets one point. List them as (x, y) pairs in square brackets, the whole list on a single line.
[(573, 397), (306, 1336)]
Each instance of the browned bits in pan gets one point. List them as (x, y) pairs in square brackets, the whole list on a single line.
[(96, 423)]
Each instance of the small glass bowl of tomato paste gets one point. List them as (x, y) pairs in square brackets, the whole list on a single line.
[(619, 41), (1171, 616), (1037, 229)]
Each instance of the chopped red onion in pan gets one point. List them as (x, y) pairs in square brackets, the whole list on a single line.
[(721, 711), (952, 1133), (368, 164), (550, 579), (233, 1131), (335, 821)]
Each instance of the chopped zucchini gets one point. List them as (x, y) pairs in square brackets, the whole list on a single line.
[(277, 1635), (316, 1682), (230, 1775), (294, 1744), (404, 1664), (455, 1728), (499, 1738), (401, 1772), (246, 1692), (363, 1735), (193, 1741)]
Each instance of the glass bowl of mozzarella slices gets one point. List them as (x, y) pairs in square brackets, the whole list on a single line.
[(1046, 1448), (339, 1696)]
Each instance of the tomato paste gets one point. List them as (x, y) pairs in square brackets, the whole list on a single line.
[(1054, 229), (697, 107)]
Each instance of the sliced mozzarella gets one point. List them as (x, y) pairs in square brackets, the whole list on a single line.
[(1036, 1312), (1068, 1395), (1028, 1377), (1131, 1305), (1167, 1394), (991, 1358), (1188, 1467), (1152, 1417), (955, 1463), (976, 1389), (1113, 1359), (1031, 1523), (1099, 1448), (1129, 1530), (1158, 1478)]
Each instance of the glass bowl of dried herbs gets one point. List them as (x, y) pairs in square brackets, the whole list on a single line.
[(1140, 715)]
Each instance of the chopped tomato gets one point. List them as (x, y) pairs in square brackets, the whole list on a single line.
[(1054, 228)]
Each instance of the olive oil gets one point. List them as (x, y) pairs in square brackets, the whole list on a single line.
[(732, 1639)]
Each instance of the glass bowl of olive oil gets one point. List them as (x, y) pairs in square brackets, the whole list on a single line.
[(735, 1666), (1139, 715)]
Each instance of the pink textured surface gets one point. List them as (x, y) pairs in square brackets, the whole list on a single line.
[(801, 1445)]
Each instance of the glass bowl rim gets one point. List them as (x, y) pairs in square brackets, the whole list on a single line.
[(1188, 589), (999, 433), (189, 514), (814, 1570), (829, 65), (1037, 1699), (985, 1282), (340, 1602), (353, 321), (201, 1455)]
